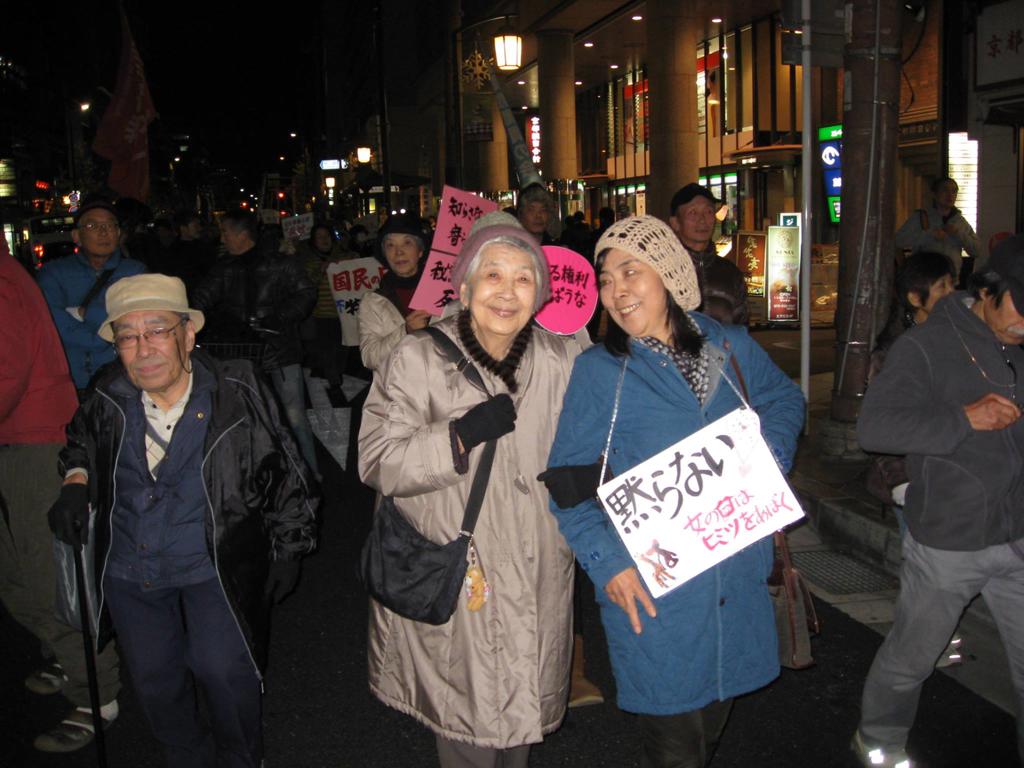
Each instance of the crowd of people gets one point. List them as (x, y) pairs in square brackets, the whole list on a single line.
[(191, 480)]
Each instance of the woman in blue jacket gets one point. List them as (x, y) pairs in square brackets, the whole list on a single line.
[(680, 660)]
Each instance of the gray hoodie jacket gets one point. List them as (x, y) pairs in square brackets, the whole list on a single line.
[(966, 487)]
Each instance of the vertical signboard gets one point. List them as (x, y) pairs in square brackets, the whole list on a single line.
[(783, 257), (750, 258), (830, 151)]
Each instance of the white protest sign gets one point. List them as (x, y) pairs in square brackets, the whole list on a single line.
[(699, 501), (349, 280), (298, 227)]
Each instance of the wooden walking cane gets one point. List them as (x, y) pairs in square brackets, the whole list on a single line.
[(85, 611)]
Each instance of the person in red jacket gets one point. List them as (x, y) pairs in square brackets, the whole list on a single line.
[(37, 400)]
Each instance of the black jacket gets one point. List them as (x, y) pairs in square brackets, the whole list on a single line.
[(721, 279), (268, 291), (260, 495)]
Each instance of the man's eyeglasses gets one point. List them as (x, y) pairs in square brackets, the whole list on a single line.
[(125, 341), (99, 226)]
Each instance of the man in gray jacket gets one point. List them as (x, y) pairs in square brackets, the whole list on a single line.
[(949, 398)]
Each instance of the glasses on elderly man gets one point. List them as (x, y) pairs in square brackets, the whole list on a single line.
[(99, 226), (123, 341)]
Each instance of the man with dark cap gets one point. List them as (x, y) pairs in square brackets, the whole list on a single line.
[(722, 287), (949, 398), (203, 512), (75, 287), (37, 400)]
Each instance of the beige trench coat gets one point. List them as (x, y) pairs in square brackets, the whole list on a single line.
[(497, 678), (381, 327)]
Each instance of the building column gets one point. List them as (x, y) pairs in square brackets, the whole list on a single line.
[(557, 78), (673, 31)]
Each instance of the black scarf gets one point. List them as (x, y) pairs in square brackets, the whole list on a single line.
[(391, 282), (504, 369)]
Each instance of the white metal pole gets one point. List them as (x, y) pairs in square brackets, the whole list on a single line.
[(807, 222)]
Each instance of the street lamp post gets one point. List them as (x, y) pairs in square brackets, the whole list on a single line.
[(508, 47)]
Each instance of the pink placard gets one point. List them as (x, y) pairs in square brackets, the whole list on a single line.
[(459, 209), (435, 291), (573, 291)]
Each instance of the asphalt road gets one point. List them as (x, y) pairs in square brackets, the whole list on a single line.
[(318, 711)]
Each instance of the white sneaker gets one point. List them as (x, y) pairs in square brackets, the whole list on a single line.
[(76, 730), (953, 654), (877, 757)]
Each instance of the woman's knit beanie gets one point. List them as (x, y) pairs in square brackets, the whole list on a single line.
[(653, 242)]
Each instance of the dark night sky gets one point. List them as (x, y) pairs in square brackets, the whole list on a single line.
[(236, 79)]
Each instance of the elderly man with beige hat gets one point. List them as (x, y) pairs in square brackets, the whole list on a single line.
[(202, 511)]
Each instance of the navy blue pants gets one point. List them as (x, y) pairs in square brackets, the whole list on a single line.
[(171, 638)]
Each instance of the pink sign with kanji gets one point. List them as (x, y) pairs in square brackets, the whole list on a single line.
[(435, 291), (573, 291), (699, 501), (349, 280), (459, 209)]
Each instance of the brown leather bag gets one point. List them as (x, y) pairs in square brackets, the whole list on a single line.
[(795, 617)]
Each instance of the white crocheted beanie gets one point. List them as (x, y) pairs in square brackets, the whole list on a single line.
[(652, 241)]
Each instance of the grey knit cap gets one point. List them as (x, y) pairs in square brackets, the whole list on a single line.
[(494, 219), (653, 242)]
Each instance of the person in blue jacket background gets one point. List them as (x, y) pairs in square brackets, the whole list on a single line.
[(76, 286), (680, 660)]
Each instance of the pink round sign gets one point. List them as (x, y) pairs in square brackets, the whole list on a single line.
[(573, 291)]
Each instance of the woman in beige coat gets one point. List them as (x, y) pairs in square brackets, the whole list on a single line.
[(384, 315), (493, 679)]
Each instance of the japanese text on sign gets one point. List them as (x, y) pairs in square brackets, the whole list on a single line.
[(573, 291), (699, 501), (435, 291), (999, 45), (459, 209), (349, 281)]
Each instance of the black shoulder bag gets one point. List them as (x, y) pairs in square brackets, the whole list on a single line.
[(403, 570), (101, 280)]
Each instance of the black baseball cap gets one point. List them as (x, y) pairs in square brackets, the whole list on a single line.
[(94, 204), (687, 193)]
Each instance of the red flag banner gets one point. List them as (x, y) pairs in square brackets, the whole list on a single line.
[(122, 137)]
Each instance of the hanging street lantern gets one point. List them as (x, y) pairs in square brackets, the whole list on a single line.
[(508, 48)]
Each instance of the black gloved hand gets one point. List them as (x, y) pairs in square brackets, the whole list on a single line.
[(69, 515), (573, 484), (282, 578), (487, 421)]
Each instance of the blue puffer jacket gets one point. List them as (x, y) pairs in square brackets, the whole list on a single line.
[(65, 282), (714, 636)]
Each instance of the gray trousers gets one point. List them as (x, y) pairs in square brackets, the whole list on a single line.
[(455, 754), (935, 587), (29, 485)]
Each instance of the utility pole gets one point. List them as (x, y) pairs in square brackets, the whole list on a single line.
[(871, 92), (382, 106)]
